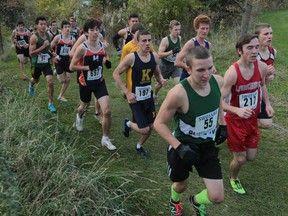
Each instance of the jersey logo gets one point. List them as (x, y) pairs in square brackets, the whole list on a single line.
[(145, 75)]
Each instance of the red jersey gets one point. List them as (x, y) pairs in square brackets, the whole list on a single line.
[(90, 78), (271, 58), (246, 93)]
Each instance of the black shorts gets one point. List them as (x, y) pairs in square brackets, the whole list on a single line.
[(25, 52), (62, 67), (46, 70), (99, 91), (263, 114), (208, 165), (143, 112)]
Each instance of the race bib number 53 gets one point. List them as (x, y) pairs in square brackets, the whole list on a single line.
[(95, 74)]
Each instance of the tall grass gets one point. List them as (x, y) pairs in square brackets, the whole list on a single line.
[(41, 173)]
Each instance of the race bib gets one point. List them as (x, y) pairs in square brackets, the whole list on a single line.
[(205, 126), (249, 100), (171, 58), (143, 92), (95, 74), (21, 43), (43, 58), (64, 51)]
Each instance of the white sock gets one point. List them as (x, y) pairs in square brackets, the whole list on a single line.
[(105, 137), (138, 146), (128, 124)]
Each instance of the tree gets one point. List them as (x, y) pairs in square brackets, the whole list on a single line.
[(246, 17)]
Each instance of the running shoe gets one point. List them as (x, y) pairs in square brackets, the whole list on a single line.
[(175, 208), (125, 129), (51, 108), (141, 151), (31, 90), (99, 117), (62, 98), (198, 209), (237, 186), (79, 123), (24, 77), (156, 100), (107, 142)]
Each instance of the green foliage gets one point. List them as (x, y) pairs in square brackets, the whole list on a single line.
[(161, 12)]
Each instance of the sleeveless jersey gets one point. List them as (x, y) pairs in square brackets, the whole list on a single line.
[(246, 93), (199, 124), (21, 38), (196, 43), (42, 59), (129, 36), (271, 58), (53, 35), (74, 32), (91, 78), (63, 48), (171, 45), (138, 78)]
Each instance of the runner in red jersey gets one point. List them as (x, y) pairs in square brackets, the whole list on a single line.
[(244, 82)]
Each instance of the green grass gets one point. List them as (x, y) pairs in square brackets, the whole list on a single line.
[(48, 168)]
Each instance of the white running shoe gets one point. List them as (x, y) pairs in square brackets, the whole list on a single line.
[(79, 122), (107, 142)]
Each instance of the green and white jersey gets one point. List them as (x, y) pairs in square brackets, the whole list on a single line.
[(171, 58), (43, 58), (199, 124)]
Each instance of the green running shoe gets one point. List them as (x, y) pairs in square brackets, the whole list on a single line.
[(198, 209), (176, 208), (237, 186)]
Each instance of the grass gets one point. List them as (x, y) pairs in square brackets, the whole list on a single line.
[(47, 168)]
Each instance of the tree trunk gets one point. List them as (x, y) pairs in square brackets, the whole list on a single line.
[(246, 17)]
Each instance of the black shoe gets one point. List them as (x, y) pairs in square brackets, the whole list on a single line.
[(142, 152), (125, 129), (176, 208)]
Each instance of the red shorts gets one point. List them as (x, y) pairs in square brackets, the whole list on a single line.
[(243, 134)]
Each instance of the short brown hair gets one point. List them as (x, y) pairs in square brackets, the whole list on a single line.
[(260, 26), (174, 23)]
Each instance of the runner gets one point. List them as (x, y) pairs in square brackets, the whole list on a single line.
[(125, 33), (195, 104), (202, 24), (75, 31), (267, 54), (140, 66), (20, 40), (241, 96), (39, 50), (91, 80), (168, 51), (62, 43)]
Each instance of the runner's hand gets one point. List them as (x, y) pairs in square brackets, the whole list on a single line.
[(221, 134), (188, 153), (93, 65), (108, 64)]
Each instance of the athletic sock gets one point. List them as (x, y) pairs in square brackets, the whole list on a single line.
[(202, 197), (128, 123), (174, 195), (138, 146)]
